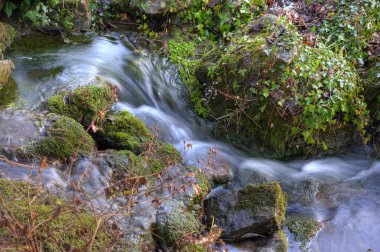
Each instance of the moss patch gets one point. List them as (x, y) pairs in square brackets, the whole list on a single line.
[(64, 227), (256, 198), (65, 137), (303, 229), (8, 93), (7, 35), (84, 103), (122, 130)]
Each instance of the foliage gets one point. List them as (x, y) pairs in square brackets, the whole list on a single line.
[(351, 26), (84, 103), (215, 21)]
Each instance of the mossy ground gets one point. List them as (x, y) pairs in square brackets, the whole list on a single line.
[(65, 138), (256, 198), (59, 225), (84, 103)]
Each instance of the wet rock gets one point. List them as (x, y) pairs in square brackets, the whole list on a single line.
[(6, 69), (305, 192), (217, 170), (257, 209), (175, 224), (188, 185), (84, 103), (25, 134)]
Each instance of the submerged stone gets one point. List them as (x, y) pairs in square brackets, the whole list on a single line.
[(62, 224), (258, 209), (85, 103)]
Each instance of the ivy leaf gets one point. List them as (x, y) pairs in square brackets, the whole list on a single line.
[(9, 8)]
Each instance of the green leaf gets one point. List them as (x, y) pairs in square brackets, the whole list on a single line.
[(32, 15), (9, 7)]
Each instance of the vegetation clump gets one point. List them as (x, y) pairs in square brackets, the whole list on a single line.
[(303, 229), (32, 218), (64, 138), (85, 103)]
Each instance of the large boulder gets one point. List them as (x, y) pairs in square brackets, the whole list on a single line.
[(25, 134), (257, 209)]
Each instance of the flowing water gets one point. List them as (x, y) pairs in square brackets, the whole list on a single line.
[(342, 192)]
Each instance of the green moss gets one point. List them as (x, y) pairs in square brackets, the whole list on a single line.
[(151, 162), (65, 137), (7, 35), (178, 224), (122, 130), (84, 103), (303, 229), (8, 93), (71, 227), (281, 241), (256, 198)]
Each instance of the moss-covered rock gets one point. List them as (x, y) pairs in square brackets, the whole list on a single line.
[(278, 243), (258, 209), (84, 103), (62, 225), (6, 69), (302, 228), (8, 93), (122, 130), (154, 161), (175, 224), (7, 35), (267, 86), (153, 7), (62, 139)]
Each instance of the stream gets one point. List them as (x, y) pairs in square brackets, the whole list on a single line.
[(342, 192)]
